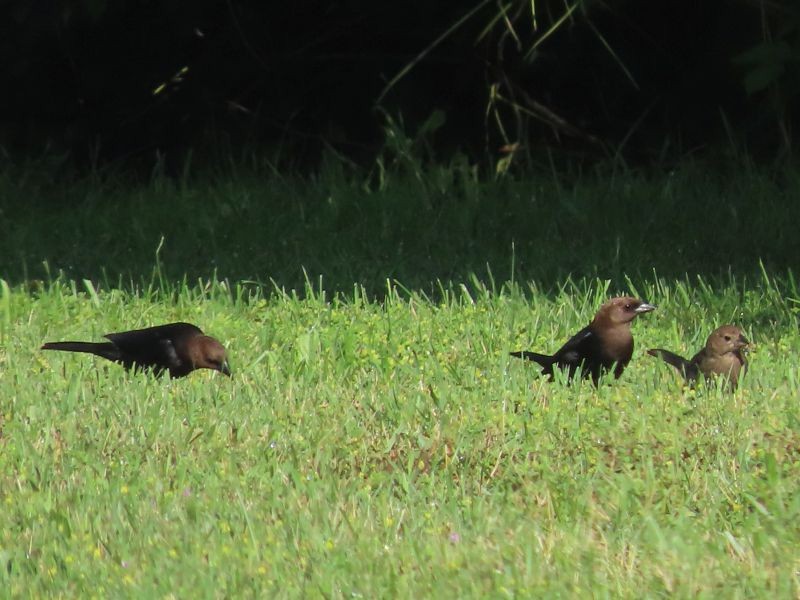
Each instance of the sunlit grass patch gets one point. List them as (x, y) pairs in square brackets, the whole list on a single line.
[(373, 448)]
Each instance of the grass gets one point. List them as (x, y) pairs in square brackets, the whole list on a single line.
[(417, 228), (376, 440)]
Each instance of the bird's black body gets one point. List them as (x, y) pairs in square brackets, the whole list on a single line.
[(178, 348), (583, 352)]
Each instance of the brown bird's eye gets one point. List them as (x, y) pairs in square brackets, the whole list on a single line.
[(628, 306), (727, 338)]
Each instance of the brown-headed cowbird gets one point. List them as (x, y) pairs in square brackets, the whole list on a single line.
[(722, 355), (179, 348), (605, 342)]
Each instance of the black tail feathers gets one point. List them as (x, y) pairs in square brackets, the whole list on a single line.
[(543, 360), (103, 349)]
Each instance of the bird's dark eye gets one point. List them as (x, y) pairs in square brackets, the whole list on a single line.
[(628, 306), (727, 338)]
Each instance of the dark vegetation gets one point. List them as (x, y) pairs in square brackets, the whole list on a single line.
[(134, 84), (416, 141)]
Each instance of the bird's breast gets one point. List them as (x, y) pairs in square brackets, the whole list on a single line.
[(617, 345)]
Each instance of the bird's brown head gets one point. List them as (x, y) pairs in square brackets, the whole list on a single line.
[(623, 309), (727, 338), (208, 353)]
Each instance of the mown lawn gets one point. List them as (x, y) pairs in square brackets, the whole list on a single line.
[(379, 441)]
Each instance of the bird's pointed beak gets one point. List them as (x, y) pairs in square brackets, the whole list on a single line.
[(742, 342), (644, 307), (225, 369)]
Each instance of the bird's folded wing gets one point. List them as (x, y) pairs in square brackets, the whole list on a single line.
[(153, 346), (577, 347)]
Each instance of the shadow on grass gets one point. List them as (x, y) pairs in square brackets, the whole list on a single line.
[(418, 230)]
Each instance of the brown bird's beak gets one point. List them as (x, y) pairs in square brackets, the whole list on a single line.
[(225, 369), (742, 342), (644, 307)]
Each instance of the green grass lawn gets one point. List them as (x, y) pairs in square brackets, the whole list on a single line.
[(376, 440)]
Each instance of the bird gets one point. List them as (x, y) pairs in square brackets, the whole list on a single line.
[(178, 348), (722, 355), (605, 343)]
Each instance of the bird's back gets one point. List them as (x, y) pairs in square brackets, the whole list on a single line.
[(157, 347)]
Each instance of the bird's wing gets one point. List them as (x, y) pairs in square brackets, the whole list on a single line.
[(169, 356), (154, 346), (577, 347)]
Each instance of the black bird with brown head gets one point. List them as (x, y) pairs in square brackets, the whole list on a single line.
[(606, 343), (177, 348)]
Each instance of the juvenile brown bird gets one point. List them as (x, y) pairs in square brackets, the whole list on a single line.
[(605, 342), (179, 348), (722, 355)]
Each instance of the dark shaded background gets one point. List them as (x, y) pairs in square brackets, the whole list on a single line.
[(131, 83)]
